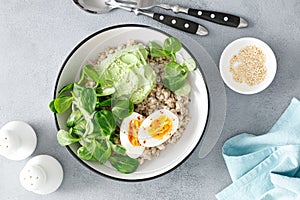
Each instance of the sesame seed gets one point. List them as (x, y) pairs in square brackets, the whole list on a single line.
[(248, 66)]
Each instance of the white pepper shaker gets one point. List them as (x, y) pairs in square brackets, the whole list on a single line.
[(17, 140), (42, 174)]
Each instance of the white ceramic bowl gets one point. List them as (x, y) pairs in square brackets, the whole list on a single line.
[(174, 154), (232, 49)]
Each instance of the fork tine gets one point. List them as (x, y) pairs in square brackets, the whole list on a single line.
[(128, 1), (118, 3)]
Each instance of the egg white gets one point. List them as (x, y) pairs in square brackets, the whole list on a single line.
[(131, 150)]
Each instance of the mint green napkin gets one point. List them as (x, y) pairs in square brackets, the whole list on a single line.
[(267, 166)]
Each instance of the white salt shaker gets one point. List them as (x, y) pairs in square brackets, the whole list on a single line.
[(17, 140), (42, 174)]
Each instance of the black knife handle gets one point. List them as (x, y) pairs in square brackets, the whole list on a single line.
[(180, 23), (218, 17)]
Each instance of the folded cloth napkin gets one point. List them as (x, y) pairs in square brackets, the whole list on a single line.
[(267, 166)]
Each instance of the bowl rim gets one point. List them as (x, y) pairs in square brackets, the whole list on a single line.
[(56, 90)]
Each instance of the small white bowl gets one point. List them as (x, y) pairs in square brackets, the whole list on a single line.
[(232, 49)]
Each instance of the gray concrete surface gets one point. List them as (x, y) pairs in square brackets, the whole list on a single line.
[(37, 35)]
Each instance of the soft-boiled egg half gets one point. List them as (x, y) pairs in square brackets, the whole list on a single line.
[(157, 128), (129, 135), (136, 132)]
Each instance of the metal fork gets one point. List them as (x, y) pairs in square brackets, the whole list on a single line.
[(212, 16), (172, 21)]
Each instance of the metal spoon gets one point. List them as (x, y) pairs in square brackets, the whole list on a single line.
[(94, 6), (104, 6)]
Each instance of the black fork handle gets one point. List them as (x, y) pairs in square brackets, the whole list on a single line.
[(181, 24)]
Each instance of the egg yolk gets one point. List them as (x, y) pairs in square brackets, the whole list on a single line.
[(160, 127), (133, 130)]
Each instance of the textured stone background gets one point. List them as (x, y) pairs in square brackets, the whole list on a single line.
[(37, 35)]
